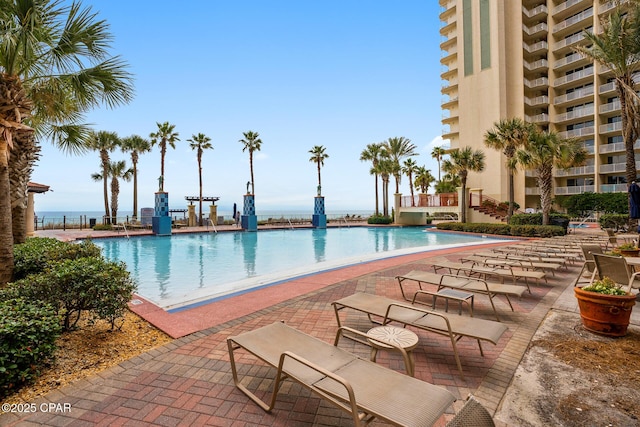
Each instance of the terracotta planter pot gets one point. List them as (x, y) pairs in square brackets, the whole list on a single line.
[(630, 252), (605, 314)]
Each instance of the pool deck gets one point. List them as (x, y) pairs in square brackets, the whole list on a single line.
[(189, 382)]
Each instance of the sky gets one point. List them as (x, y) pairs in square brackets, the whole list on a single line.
[(337, 73)]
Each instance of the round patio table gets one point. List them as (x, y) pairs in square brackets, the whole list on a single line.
[(394, 336)]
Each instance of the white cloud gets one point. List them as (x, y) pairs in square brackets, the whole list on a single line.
[(439, 142)]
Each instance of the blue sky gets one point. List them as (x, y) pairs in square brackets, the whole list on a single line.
[(341, 74)]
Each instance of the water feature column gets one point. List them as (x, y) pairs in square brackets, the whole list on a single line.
[(161, 221), (213, 214), (249, 220), (319, 219)]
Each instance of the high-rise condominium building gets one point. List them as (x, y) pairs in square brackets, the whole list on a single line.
[(514, 58)]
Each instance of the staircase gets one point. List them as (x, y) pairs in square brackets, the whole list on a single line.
[(493, 208)]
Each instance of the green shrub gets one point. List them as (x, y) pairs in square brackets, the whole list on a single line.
[(615, 221), (379, 219), (103, 227), (38, 253), (72, 286), (537, 230), (28, 332), (488, 203), (504, 229)]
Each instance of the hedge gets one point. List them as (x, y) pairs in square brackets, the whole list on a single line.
[(379, 219), (504, 229)]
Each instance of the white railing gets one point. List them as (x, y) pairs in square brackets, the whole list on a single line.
[(531, 48), (575, 114), (569, 41), (567, 60), (617, 146), (611, 106), (530, 13), (531, 84), (577, 94), (616, 167), (541, 63), (564, 6), (587, 13), (535, 29), (581, 170), (538, 100), (577, 133), (611, 127), (587, 72), (575, 189)]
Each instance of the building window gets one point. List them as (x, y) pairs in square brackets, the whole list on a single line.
[(467, 34), (614, 139), (485, 35)]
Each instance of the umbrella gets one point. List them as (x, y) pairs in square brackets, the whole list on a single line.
[(634, 202)]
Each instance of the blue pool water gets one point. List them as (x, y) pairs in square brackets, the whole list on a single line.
[(186, 269)]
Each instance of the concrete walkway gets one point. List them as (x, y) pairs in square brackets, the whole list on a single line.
[(189, 382)]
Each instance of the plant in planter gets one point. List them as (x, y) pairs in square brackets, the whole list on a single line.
[(628, 249), (605, 308)]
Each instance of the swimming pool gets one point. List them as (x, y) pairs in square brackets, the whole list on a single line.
[(180, 270)]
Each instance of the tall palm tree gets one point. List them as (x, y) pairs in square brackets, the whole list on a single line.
[(372, 154), (397, 149), (384, 169), (104, 142), (507, 136), (409, 168), (164, 135), (318, 156), (438, 153), (251, 142), (461, 161), (116, 170), (424, 178), (200, 142), (54, 67), (448, 184), (544, 151), (135, 145), (618, 48)]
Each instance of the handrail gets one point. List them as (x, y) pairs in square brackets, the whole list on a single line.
[(213, 225), (290, 225), (124, 227)]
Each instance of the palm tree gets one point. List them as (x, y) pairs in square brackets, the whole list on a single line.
[(507, 136), (135, 145), (409, 168), (617, 47), (424, 179), (397, 149), (318, 156), (163, 136), (104, 142), (251, 142), (437, 153), (200, 142), (543, 152), (116, 170), (54, 67), (384, 168), (460, 163), (372, 154), (448, 184)]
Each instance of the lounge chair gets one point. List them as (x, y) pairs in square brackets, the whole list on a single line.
[(526, 264), (504, 271), (454, 327), (463, 283), (589, 264), (617, 269), (472, 414), (360, 387)]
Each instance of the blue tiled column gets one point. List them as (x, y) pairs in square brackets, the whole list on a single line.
[(161, 221), (249, 220), (319, 219)]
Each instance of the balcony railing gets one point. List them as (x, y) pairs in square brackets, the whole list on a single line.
[(532, 191), (609, 107), (575, 190), (575, 114), (537, 101), (587, 13), (541, 63), (538, 10), (540, 118), (567, 60), (581, 170), (616, 147), (566, 5), (535, 47), (577, 133), (607, 87), (538, 28), (580, 93), (616, 167), (573, 77), (429, 200), (613, 188), (539, 82), (569, 41), (611, 127)]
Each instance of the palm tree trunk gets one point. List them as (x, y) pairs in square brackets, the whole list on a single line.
[(115, 190), (134, 160), (511, 196), (6, 232), (545, 180), (413, 203), (200, 180), (104, 157), (24, 154), (163, 151), (319, 181), (377, 211), (253, 190)]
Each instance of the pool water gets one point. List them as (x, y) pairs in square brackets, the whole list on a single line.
[(180, 270)]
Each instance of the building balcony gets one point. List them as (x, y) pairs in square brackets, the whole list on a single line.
[(450, 133), (448, 9), (610, 127), (449, 57), (573, 22), (607, 88), (448, 41), (611, 107), (613, 188), (571, 60), (537, 12), (450, 103), (449, 26), (568, 42), (532, 191), (538, 101), (538, 119), (537, 65), (577, 133), (535, 30), (568, 7), (575, 114), (540, 46), (449, 73), (606, 7), (581, 170), (573, 96), (574, 77), (537, 83), (559, 191), (616, 167), (616, 147)]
